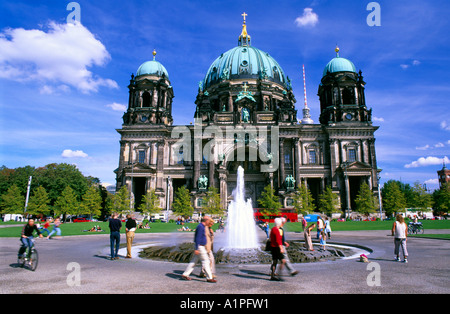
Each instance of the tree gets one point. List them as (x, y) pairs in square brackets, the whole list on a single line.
[(150, 203), (269, 201), (91, 202), (67, 203), (405, 188), (303, 200), (182, 203), (121, 201), (442, 199), (13, 201), (39, 202), (56, 177), (211, 203), (365, 200), (422, 199), (394, 199), (329, 201)]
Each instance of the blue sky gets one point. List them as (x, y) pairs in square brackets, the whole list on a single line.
[(63, 88)]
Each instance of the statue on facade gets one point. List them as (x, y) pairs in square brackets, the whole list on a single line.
[(225, 74), (290, 182), (203, 182), (245, 115)]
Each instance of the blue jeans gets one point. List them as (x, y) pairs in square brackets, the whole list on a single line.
[(42, 230), (26, 244), (114, 239), (57, 230)]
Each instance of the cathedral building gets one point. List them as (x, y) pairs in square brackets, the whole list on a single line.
[(246, 90)]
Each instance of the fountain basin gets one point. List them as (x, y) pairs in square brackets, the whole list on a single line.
[(183, 253)]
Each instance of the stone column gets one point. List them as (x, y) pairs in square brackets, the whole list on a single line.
[(281, 163), (211, 168), (333, 162), (297, 161), (160, 166), (223, 189)]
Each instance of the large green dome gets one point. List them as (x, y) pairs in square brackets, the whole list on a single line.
[(244, 62)]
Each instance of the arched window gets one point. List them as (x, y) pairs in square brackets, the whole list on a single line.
[(146, 99), (348, 96)]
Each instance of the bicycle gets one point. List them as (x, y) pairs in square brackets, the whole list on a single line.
[(30, 258), (416, 228)]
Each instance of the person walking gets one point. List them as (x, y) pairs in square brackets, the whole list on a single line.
[(56, 229), (130, 228), (307, 234), (210, 248), (328, 227), (200, 253), (266, 229), (399, 231), (320, 226), (114, 238), (289, 266), (277, 249)]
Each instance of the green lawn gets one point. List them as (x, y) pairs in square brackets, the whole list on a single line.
[(371, 225), (69, 229), (77, 228)]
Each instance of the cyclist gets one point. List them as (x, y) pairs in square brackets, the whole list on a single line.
[(27, 236)]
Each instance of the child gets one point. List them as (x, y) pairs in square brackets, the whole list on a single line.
[(323, 239)]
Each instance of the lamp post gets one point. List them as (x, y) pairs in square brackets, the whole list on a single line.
[(28, 194)]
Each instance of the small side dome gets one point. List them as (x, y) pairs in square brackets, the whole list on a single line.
[(339, 64), (152, 68)]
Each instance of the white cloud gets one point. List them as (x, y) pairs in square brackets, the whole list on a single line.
[(423, 147), (406, 66), (57, 57), (428, 161), (117, 107), (309, 18), (378, 119), (445, 126), (48, 90), (432, 181), (68, 153), (437, 145)]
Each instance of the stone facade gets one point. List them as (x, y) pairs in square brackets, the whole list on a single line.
[(340, 151)]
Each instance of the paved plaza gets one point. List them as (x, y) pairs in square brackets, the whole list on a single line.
[(428, 269)]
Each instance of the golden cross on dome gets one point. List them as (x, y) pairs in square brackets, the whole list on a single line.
[(244, 15), (245, 87)]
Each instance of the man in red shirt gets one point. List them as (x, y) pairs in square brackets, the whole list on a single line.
[(276, 242)]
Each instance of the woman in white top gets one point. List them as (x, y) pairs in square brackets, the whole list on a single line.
[(399, 231), (328, 227)]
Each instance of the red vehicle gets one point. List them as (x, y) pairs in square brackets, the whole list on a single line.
[(81, 219), (290, 215)]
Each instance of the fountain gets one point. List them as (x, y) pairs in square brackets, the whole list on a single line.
[(239, 243), (240, 226)]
